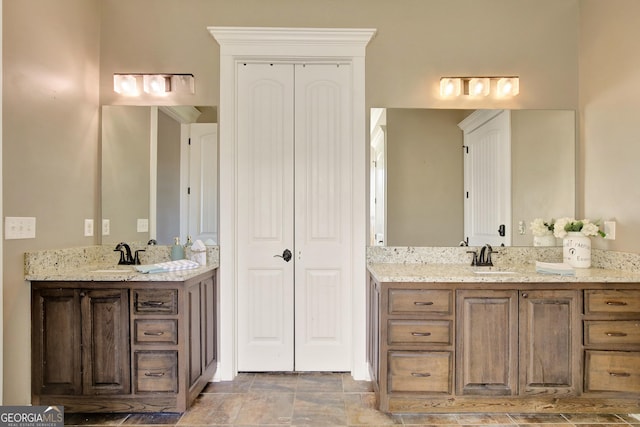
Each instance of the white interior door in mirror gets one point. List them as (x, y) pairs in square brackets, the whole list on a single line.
[(203, 182), (487, 178)]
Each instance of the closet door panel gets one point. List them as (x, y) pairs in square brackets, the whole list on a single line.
[(322, 216), (265, 217)]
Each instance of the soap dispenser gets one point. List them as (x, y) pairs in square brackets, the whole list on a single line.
[(177, 251)]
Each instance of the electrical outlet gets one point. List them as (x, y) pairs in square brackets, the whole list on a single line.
[(143, 225), (17, 227), (610, 230), (106, 227), (88, 227)]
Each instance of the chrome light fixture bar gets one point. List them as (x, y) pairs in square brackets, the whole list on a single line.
[(500, 86), (154, 84)]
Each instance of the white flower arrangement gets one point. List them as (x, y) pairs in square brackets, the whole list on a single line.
[(586, 227), (540, 227)]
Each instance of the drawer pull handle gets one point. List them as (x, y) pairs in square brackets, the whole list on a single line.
[(420, 375), (421, 334), (154, 374), (618, 303), (153, 334), (152, 303), (616, 334), (619, 374), (423, 303)]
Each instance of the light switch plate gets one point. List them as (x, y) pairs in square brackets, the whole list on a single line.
[(19, 227), (610, 230), (143, 225), (106, 227), (88, 227)]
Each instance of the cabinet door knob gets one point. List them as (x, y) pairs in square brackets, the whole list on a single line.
[(525, 295)]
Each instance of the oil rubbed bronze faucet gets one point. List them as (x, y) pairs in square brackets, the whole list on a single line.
[(125, 254), (484, 258)]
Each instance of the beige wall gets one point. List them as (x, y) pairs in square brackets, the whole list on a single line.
[(542, 168), (609, 112), (417, 42), (50, 107), (424, 177), (50, 149)]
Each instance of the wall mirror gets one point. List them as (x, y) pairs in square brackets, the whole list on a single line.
[(417, 178), (159, 173)]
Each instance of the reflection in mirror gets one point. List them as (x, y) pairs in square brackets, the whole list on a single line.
[(146, 161), (417, 174)]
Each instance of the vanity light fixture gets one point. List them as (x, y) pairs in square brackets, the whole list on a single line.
[(153, 84), (501, 86)]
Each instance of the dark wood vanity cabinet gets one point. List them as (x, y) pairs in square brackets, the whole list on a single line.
[(123, 346), (504, 347), (80, 341)]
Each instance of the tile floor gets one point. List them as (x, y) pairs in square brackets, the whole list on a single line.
[(321, 399)]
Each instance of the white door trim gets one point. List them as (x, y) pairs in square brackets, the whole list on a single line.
[(288, 44)]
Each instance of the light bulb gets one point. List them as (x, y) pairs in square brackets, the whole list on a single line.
[(125, 84), (508, 86), (450, 87)]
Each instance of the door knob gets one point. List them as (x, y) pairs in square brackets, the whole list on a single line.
[(286, 255)]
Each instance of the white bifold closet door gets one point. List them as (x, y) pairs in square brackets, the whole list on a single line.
[(294, 142)]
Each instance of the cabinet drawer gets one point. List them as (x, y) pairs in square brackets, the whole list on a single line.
[(417, 371), (611, 301), (419, 332), (156, 331), (612, 371), (156, 371), (156, 301), (612, 332), (420, 301)]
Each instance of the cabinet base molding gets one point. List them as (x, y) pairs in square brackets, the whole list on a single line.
[(512, 405)]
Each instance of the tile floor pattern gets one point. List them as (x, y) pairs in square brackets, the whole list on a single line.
[(321, 399)]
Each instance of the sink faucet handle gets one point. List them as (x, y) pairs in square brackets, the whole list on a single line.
[(136, 260), (474, 261)]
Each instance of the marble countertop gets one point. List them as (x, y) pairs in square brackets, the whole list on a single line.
[(118, 273), (400, 272)]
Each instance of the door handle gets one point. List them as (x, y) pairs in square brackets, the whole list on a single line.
[(286, 255), (502, 230)]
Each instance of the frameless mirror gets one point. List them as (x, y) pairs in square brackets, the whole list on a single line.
[(159, 173), (417, 174)]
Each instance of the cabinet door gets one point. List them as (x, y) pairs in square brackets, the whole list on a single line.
[(105, 341), (201, 330), (373, 329), (487, 344), (208, 320), (550, 337), (194, 301), (56, 342)]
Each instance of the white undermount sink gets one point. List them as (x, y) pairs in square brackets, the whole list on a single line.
[(492, 271), (114, 270)]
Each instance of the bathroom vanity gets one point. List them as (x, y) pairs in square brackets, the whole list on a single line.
[(112, 341), (445, 338)]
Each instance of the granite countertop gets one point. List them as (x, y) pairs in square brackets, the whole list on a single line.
[(400, 272), (118, 273)]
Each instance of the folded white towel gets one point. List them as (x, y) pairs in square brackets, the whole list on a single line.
[(560, 268), (165, 267)]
